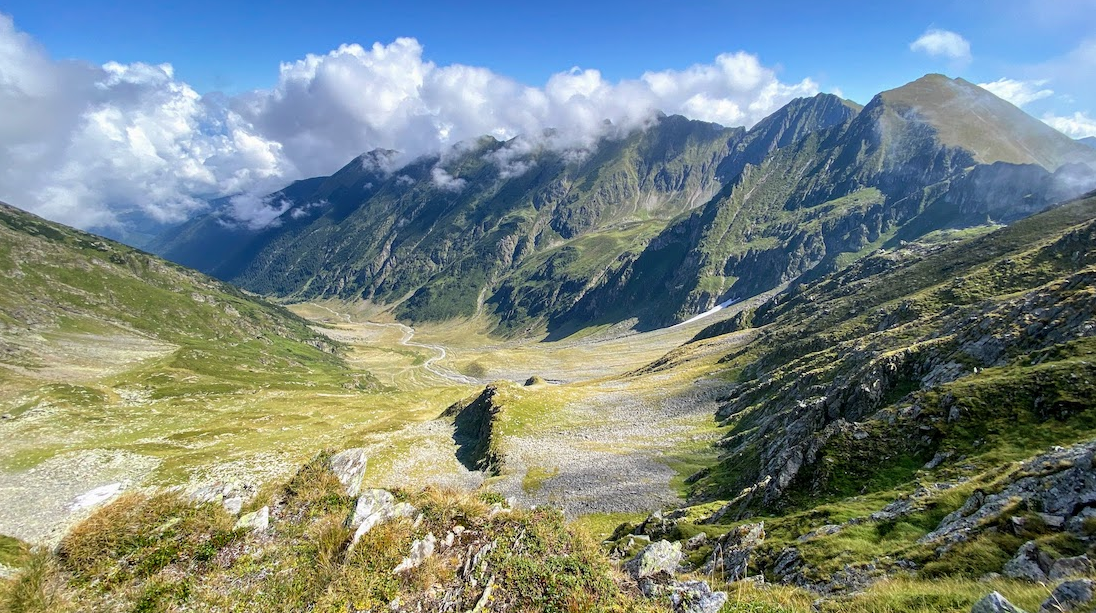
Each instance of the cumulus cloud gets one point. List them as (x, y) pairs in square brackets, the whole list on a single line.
[(516, 158), (86, 144), (90, 145), (1077, 125), (1020, 93), (943, 43), (326, 108)]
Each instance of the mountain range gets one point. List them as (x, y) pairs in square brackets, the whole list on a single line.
[(651, 228)]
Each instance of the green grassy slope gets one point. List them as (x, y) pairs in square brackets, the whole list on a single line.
[(65, 285)]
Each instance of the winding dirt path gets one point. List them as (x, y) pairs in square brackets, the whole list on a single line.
[(430, 365)]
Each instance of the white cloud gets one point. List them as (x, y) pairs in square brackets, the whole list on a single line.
[(86, 144), (943, 43), (1020, 93), (254, 211), (89, 145), (1078, 125), (305, 209), (446, 181)]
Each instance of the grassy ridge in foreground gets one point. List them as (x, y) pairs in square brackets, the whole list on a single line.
[(161, 553)]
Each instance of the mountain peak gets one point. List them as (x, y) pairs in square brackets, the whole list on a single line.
[(992, 130)]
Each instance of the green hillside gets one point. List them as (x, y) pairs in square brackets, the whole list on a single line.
[(69, 291)]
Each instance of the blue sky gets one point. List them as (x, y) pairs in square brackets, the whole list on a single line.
[(858, 47), (111, 110)]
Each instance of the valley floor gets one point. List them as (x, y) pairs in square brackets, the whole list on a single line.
[(585, 436)]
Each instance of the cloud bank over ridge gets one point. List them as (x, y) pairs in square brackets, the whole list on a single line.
[(93, 145)]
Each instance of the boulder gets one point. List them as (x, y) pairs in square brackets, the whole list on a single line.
[(233, 505), (657, 560), (420, 551), (96, 497), (1065, 568), (696, 597), (1054, 522), (375, 507), (788, 566), (732, 553), (994, 602), (1030, 564), (1070, 596), (349, 467), (256, 521), (696, 542), (232, 495)]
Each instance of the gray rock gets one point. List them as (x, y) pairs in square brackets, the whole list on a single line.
[(1061, 482), (420, 551), (696, 542), (732, 553), (788, 566), (349, 467), (696, 597), (1030, 564), (1076, 524), (256, 521), (1070, 596), (827, 530), (232, 495), (1054, 522), (994, 602), (375, 507), (937, 460), (233, 505), (1065, 568), (660, 559)]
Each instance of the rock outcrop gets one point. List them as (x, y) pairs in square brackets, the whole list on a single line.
[(731, 554), (375, 507), (349, 466), (1061, 482), (255, 521), (1070, 596), (994, 602)]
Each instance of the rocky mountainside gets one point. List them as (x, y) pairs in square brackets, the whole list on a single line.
[(927, 412), (659, 225), (921, 335), (896, 171), (436, 236), (317, 542)]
